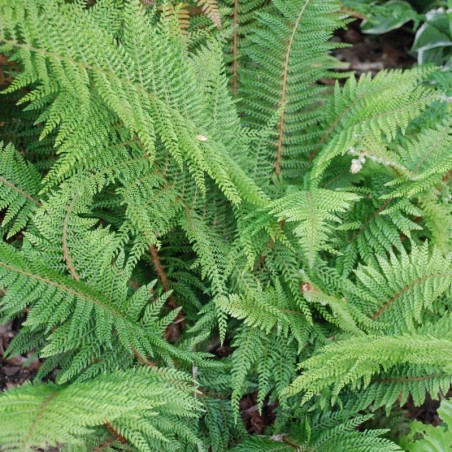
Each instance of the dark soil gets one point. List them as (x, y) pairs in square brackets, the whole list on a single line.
[(372, 53), (16, 370)]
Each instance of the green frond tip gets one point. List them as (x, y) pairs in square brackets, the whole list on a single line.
[(47, 415), (314, 214)]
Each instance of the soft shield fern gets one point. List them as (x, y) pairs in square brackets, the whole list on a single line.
[(197, 211)]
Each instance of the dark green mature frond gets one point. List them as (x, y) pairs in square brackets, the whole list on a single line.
[(71, 309), (73, 240), (19, 187), (402, 382), (396, 293), (323, 434), (219, 421), (354, 361), (269, 309), (377, 225), (271, 356), (289, 52), (131, 405), (262, 444)]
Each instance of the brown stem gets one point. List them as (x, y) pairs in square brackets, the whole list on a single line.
[(371, 218), (262, 259), (162, 275), (106, 443), (39, 416), (67, 257), (143, 360), (19, 190), (115, 433), (282, 103), (407, 379)]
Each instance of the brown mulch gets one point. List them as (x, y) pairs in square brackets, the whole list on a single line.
[(372, 53), (14, 371)]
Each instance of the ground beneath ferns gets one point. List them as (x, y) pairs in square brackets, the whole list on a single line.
[(366, 54)]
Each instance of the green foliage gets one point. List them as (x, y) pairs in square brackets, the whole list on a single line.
[(196, 212), (322, 434), (433, 42), (140, 405), (20, 183), (433, 38), (288, 62), (426, 437)]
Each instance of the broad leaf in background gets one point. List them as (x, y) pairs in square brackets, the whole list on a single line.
[(426, 438), (387, 17), (433, 42)]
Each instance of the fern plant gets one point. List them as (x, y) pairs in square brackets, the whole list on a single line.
[(180, 179)]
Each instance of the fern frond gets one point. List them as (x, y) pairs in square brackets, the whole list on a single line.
[(396, 292), (211, 10), (131, 91), (180, 11), (152, 221), (44, 415), (426, 159), (402, 382), (19, 187), (323, 434), (377, 225), (354, 362), (285, 66), (314, 213), (71, 306), (366, 115)]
